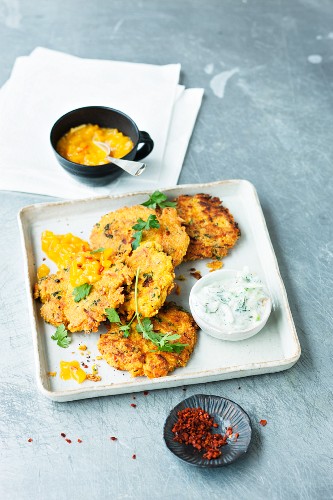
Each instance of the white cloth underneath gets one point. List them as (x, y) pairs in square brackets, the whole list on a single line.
[(47, 84)]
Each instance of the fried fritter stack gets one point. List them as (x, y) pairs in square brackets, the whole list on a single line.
[(200, 227), (140, 356)]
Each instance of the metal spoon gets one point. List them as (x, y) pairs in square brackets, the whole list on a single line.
[(131, 167)]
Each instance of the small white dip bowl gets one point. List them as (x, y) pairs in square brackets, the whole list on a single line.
[(224, 333)]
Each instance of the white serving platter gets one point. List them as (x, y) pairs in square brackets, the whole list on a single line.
[(275, 348)]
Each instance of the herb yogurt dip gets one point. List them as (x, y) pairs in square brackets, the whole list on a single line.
[(233, 304)]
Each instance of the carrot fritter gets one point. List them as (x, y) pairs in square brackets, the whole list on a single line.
[(115, 231), (59, 306), (140, 356), (210, 226), (51, 291), (156, 280)]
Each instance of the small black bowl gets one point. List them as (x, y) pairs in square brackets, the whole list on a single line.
[(225, 413), (104, 117)]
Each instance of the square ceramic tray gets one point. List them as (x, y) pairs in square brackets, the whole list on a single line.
[(275, 348)]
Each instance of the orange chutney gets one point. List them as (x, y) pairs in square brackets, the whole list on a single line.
[(80, 145), (67, 250), (72, 370)]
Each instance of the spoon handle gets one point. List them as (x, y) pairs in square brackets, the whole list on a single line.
[(131, 167)]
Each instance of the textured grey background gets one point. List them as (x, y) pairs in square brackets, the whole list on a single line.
[(273, 127)]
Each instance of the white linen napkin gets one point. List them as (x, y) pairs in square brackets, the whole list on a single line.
[(47, 84)]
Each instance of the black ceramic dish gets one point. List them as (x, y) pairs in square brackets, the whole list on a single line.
[(104, 117), (226, 413)]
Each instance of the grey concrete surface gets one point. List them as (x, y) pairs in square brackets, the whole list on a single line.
[(273, 126)]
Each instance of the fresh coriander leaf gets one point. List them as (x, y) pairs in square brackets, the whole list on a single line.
[(158, 199), (152, 222), (126, 330), (142, 225), (98, 250), (81, 292), (175, 347), (169, 336), (137, 240), (112, 315), (61, 336)]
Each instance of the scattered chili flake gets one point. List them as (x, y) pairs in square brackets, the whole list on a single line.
[(44, 258), (30, 440), (196, 275), (68, 441), (113, 438), (263, 422), (134, 457), (194, 426), (133, 405), (63, 435), (79, 440), (145, 393)]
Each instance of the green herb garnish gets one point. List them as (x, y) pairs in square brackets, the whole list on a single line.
[(98, 250), (81, 292), (140, 226), (61, 336), (113, 317), (145, 327), (158, 199)]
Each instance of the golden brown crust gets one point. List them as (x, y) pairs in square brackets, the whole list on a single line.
[(115, 231), (59, 306), (156, 278), (210, 226), (140, 356)]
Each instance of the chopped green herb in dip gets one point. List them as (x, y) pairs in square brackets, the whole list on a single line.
[(233, 304)]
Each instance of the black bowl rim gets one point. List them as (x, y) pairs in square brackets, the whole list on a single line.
[(93, 107), (206, 396)]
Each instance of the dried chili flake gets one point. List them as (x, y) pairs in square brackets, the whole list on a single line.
[(145, 393), (63, 435), (263, 422), (134, 457), (113, 438), (133, 405), (194, 426), (196, 275), (68, 441), (79, 440), (30, 440)]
